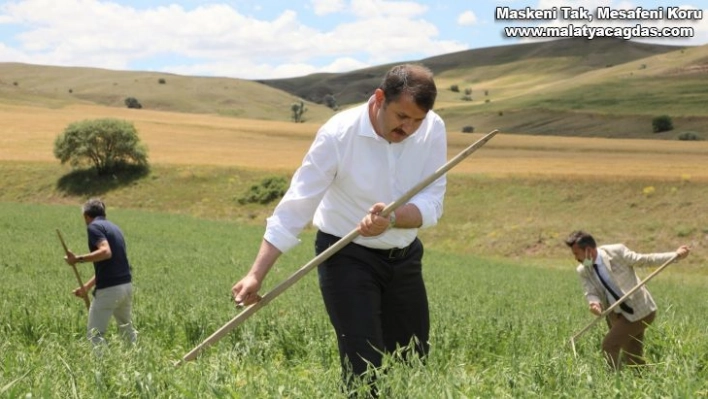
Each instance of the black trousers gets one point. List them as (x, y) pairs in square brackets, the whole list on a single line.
[(376, 301)]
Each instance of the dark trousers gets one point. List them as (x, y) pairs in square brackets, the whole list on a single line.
[(627, 338), (376, 301)]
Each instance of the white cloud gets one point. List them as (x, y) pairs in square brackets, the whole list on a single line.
[(467, 18), (343, 65), (366, 9), (217, 39), (324, 7)]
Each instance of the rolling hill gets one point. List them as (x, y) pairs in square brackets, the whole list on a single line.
[(26, 84), (571, 87)]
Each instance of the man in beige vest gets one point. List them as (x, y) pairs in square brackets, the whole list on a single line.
[(607, 273)]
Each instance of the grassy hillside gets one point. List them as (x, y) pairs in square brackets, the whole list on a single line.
[(522, 217), (575, 87), (26, 84), (571, 57), (547, 96)]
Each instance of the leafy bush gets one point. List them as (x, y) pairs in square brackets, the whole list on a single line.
[(161, 81), (269, 189), (689, 136), (455, 88), (106, 144), (468, 129), (132, 102), (662, 123), (468, 91), (466, 98)]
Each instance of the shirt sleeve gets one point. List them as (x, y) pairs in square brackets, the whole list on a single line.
[(430, 200), (95, 236), (306, 190), (635, 259)]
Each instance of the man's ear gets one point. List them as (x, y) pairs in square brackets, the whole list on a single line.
[(379, 97)]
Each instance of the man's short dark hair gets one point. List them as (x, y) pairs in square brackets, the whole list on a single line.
[(583, 239), (414, 80), (94, 208)]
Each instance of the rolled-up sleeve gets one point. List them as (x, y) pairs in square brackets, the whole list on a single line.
[(306, 190)]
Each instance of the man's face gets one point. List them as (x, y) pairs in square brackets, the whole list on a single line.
[(397, 120), (581, 254)]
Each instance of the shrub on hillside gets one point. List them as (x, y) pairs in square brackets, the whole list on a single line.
[(455, 88), (268, 190), (662, 123), (161, 81), (468, 129), (330, 101), (132, 102), (689, 136), (105, 144)]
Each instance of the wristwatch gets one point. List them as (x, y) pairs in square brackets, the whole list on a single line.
[(80, 259), (392, 220)]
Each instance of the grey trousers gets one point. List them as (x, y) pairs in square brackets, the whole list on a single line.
[(116, 301)]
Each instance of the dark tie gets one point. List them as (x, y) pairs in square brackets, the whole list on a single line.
[(622, 305)]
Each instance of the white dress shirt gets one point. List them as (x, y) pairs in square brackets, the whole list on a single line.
[(348, 168)]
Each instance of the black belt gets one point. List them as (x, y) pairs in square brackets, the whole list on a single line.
[(391, 253)]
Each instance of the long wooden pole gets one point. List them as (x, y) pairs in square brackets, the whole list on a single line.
[(248, 311), (619, 301), (76, 272)]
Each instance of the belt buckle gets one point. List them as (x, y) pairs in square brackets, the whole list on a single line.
[(394, 253)]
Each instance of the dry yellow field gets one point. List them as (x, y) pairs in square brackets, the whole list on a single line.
[(28, 133)]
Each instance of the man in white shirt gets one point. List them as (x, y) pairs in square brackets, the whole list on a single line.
[(606, 274), (362, 159)]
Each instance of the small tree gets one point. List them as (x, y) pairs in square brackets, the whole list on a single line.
[(455, 88), (298, 109), (662, 123), (132, 102), (106, 144)]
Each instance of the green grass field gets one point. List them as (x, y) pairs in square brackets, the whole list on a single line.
[(500, 328), (503, 292)]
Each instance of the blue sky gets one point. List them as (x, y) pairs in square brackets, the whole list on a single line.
[(274, 38)]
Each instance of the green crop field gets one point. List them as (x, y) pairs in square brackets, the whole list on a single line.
[(504, 296), (500, 328)]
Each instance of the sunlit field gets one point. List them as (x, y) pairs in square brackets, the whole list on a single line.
[(190, 139), (504, 295), (499, 328)]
